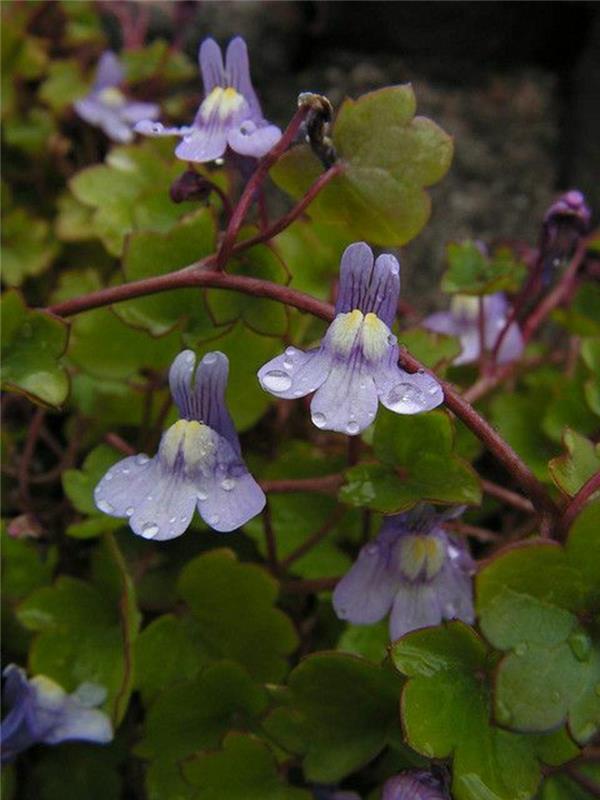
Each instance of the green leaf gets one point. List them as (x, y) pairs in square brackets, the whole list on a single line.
[(368, 641), (26, 565), (580, 462), (27, 247), (345, 710), (245, 769), (32, 343), (155, 253), (582, 317), (435, 350), (418, 463), (223, 695), (388, 154), (64, 84), (29, 133), (234, 606), (446, 709), (85, 771), (79, 484), (473, 271), (157, 59)]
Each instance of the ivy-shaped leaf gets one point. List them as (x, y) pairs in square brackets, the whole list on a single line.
[(472, 271), (582, 460), (388, 155)]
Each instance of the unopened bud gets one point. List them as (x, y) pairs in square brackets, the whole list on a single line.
[(190, 186), (318, 124), (565, 222)]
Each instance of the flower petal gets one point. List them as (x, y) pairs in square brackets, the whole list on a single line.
[(159, 503), (443, 322), (210, 59), (416, 606), (203, 144), (413, 786), (370, 287), (237, 68), (147, 127), (366, 593), (116, 128), (403, 392), (61, 717), (250, 140), (137, 112), (295, 373), (109, 71), (347, 401), (512, 345)]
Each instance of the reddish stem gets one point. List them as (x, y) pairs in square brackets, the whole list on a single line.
[(326, 484), (507, 496)]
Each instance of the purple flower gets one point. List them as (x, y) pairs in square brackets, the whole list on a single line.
[(356, 365), (198, 464), (41, 711), (230, 114), (413, 568), (565, 222), (415, 785), (463, 321), (107, 107)]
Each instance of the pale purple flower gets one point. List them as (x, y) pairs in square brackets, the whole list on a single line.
[(198, 464), (414, 569), (41, 711), (108, 108), (414, 785), (565, 222), (356, 365), (230, 114), (462, 320)]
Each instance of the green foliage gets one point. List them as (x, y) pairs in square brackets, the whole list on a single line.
[(32, 344), (418, 462), (472, 271), (79, 487), (435, 350), (27, 247), (448, 670), (577, 465), (388, 154)]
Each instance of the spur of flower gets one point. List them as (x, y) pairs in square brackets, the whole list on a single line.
[(40, 711), (412, 569), (356, 365), (198, 464), (230, 114), (108, 108), (462, 320)]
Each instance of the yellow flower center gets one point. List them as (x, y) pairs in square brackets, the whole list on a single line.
[(223, 102), (112, 97), (192, 439), (366, 331), (421, 555)]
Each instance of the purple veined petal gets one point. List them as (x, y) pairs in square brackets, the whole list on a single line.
[(250, 140), (228, 496), (63, 718), (237, 68), (147, 127), (138, 112), (203, 144), (443, 322), (403, 392), (366, 592), (367, 285), (17, 729), (416, 605), (413, 786), (210, 59), (347, 400), (158, 503), (295, 373), (109, 72)]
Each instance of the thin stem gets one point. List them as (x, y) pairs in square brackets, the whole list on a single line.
[(507, 496), (576, 504), (310, 586), (481, 534), (326, 484), (264, 165), (28, 451), (114, 440)]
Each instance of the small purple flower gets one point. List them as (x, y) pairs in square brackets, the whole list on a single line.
[(107, 107), (413, 568), (565, 222), (463, 321), (41, 711), (356, 365), (415, 785), (198, 464), (230, 114)]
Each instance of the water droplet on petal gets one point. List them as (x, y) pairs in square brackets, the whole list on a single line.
[(129, 510), (108, 476), (352, 428), (182, 518), (449, 611), (214, 519), (125, 471), (290, 352), (405, 397), (287, 363), (434, 389), (228, 484), (105, 506), (371, 549), (189, 357), (201, 495), (277, 380), (172, 520), (391, 339), (149, 498), (298, 393), (141, 459), (521, 648), (149, 530), (320, 420)]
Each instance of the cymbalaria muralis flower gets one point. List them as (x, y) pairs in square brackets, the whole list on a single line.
[(41, 711), (198, 464), (462, 320), (356, 365), (414, 785), (107, 107), (565, 222), (230, 114), (413, 568)]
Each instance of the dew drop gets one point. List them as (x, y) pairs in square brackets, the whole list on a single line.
[(288, 363), (320, 420), (201, 495), (182, 518), (277, 381), (371, 549), (149, 498), (449, 611), (420, 372), (149, 530), (405, 397), (391, 339), (189, 357), (125, 471), (228, 484), (352, 428), (141, 459), (290, 352), (108, 476), (105, 506), (214, 519), (129, 511), (521, 648), (298, 393), (172, 520)]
